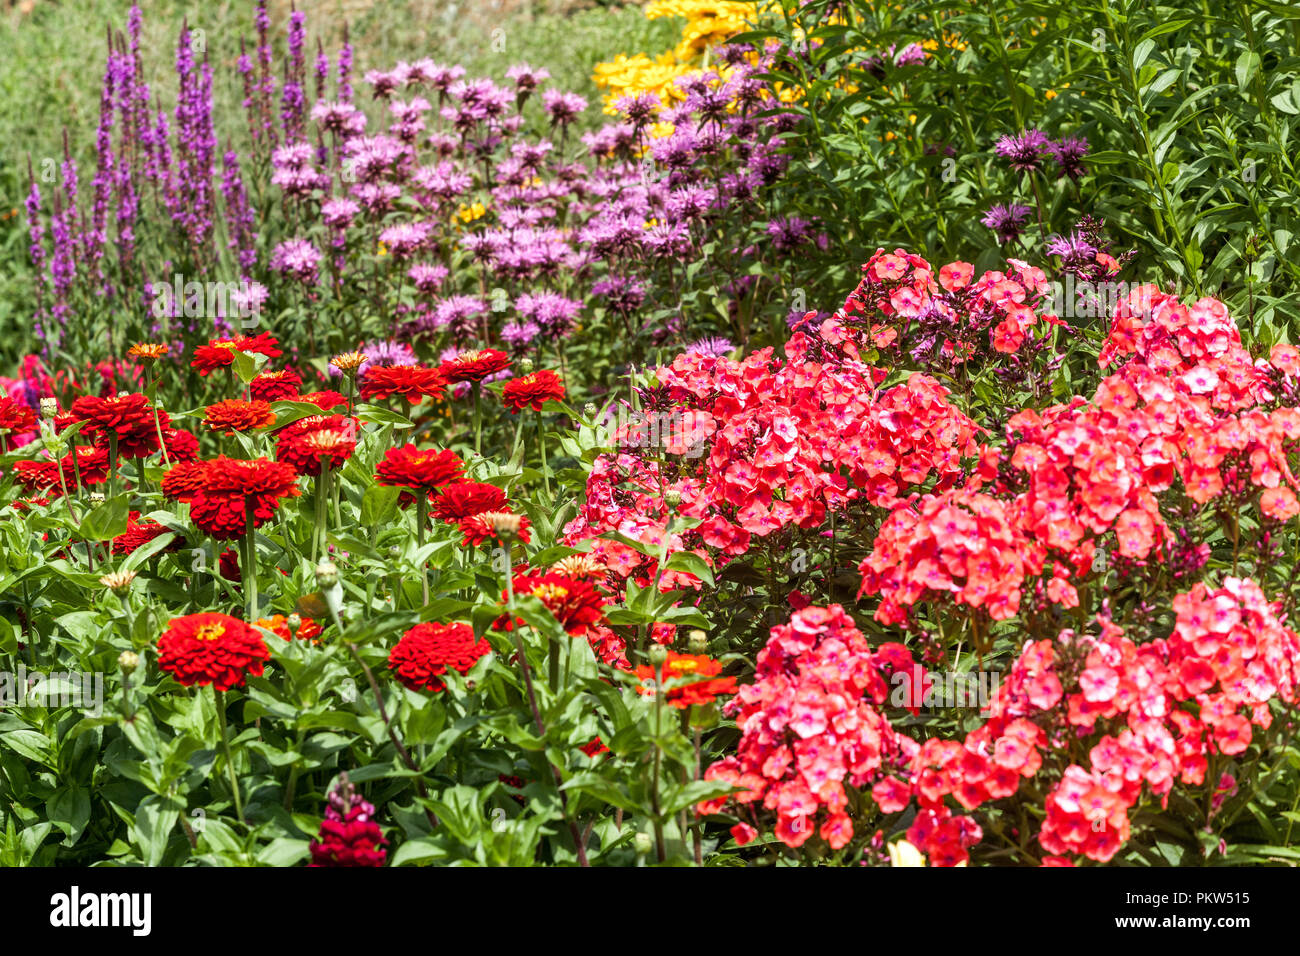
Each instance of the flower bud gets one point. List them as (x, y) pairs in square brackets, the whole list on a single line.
[(49, 407), (327, 574), (658, 655), (526, 365), (96, 497), (506, 524), (643, 844), (589, 409), (697, 642), (128, 661), (294, 621), (119, 582), (672, 497)]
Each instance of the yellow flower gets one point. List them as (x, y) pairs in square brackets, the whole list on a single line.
[(1050, 95), (382, 250), (470, 213), (902, 853)]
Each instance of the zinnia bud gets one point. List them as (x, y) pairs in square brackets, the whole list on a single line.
[(348, 361), (672, 497), (49, 407), (327, 574), (643, 844), (119, 582), (505, 524), (294, 621), (526, 365), (658, 655), (128, 661), (96, 497), (697, 642)]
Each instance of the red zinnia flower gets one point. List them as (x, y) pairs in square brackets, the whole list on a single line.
[(211, 648), (232, 488), (426, 651), (236, 415), (474, 366), (180, 444), (184, 479), (418, 469), (412, 382), (37, 475), (575, 604), (15, 419), (271, 386), (128, 418), (90, 463), (466, 498), (228, 566), (219, 353), (532, 391), (700, 671), (139, 533), (326, 400), (304, 444)]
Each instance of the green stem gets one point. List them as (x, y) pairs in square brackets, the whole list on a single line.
[(225, 746), (422, 517), (249, 571)]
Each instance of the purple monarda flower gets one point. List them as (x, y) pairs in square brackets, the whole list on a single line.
[(563, 108), (1007, 221), (526, 79), (554, 313), (912, 53), (714, 346), (404, 239), (297, 259), (427, 277), (1069, 153), (1075, 250), (788, 232), (1024, 150), (386, 353), (519, 335)]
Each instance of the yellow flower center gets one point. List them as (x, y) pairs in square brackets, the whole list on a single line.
[(210, 632), (550, 592)]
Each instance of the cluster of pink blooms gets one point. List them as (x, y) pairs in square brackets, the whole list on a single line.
[(1185, 409), (960, 542), (810, 723), (786, 442), (903, 305)]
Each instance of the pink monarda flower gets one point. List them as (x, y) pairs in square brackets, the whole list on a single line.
[(297, 259)]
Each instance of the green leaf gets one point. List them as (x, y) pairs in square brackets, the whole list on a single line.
[(106, 521), (691, 563), (69, 810), (154, 821), (379, 505)]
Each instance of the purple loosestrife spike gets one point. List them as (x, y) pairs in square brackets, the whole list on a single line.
[(343, 91), (240, 220), (293, 100), (36, 248)]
